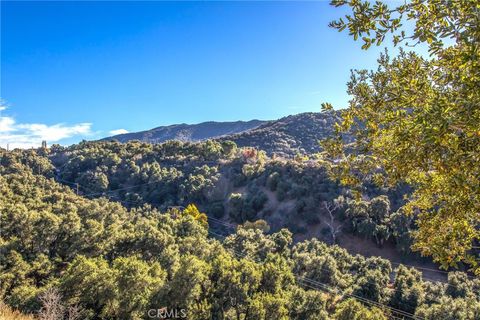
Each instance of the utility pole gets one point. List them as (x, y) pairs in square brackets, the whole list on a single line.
[(76, 184)]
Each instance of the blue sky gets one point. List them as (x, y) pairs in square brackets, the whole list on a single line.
[(78, 70)]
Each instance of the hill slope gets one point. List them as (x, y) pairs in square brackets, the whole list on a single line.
[(189, 132), (286, 137), (94, 256)]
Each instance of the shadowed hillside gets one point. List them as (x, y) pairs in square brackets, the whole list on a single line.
[(290, 135), (285, 137)]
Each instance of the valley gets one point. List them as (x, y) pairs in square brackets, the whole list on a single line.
[(356, 196)]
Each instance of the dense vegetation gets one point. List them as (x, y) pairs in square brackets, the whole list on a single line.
[(112, 231), (290, 136), (285, 137), (232, 184), (417, 119), (112, 262)]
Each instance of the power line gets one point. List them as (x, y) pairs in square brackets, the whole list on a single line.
[(105, 193), (378, 304), (231, 225), (119, 189), (112, 190), (429, 280), (430, 269), (324, 286)]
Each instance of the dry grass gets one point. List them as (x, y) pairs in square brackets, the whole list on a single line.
[(6, 313)]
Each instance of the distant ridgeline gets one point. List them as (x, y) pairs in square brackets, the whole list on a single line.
[(285, 137), (188, 132), (105, 230)]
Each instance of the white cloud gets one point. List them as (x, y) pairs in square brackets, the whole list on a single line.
[(118, 131), (27, 135), (6, 124)]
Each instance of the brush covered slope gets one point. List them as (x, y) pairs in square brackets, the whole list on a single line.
[(110, 262), (289, 136), (235, 185), (286, 137)]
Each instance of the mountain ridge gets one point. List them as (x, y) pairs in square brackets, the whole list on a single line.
[(188, 132), (287, 136), (290, 135)]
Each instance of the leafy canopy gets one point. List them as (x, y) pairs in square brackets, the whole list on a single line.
[(417, 120)]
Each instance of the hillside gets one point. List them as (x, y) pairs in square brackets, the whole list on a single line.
[(188, 132), (285, 137), (290, 135), (236, 185), (79, 255)]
